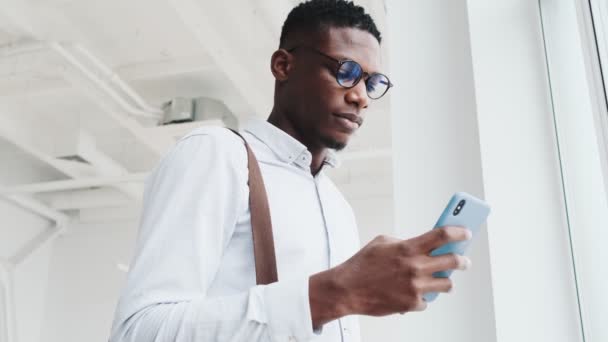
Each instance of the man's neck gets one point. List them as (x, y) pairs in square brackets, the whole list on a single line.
[(318, 152)]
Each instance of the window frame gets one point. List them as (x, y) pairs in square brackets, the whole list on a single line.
[(580, 110)]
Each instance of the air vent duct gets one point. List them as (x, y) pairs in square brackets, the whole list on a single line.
[(198, 109)]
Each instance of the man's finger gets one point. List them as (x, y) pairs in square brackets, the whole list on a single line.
[(438, 237), (447, 262), (432, 284), (421, 305)]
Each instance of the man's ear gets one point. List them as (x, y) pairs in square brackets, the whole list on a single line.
[(281, 64)]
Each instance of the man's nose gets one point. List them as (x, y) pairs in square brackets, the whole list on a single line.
[(357, 95)]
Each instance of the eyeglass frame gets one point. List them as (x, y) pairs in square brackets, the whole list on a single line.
[(364, 74)]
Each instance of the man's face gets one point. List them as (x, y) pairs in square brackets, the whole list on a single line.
[(324, 113)]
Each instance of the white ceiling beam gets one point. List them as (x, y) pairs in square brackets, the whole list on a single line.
[(109, 214), (18, 133), (40, 208), (35, 244), (100, 164), (232, 48), (86, 199), (105, 165), (73, 184)]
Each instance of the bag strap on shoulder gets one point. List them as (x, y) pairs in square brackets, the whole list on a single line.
[(261, 225)]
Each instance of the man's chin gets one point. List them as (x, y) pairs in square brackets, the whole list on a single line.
[(332, 143)]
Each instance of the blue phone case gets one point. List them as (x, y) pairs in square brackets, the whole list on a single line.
[(471, 215)]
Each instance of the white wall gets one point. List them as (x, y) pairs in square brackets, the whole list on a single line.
[(17, 227), (29, 277), (30, 293), (85, 282), (3, 308)]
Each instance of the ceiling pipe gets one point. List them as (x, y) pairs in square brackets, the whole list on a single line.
[(128, 121), (15, 49), (114, 78), (72, 59), (144, 109)]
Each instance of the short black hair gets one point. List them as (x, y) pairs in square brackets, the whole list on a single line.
[(316, 15)]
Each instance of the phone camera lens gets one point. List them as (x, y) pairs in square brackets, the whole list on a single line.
[(459, 207)]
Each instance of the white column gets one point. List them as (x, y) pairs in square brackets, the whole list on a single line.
[(532, 273), (436, 153)]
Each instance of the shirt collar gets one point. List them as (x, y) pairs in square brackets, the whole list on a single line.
[(284, 146)]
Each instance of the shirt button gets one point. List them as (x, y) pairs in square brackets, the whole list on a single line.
[(292, 339)]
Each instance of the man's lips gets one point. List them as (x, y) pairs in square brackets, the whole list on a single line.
[(351, 117)]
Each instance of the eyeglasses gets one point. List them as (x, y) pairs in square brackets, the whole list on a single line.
[(349, 73)]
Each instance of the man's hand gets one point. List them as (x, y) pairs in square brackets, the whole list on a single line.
[(386, 276)]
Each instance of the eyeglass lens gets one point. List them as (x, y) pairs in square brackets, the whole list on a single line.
[(350, 72)]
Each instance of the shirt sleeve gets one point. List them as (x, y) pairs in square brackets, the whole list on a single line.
[(192, 201)]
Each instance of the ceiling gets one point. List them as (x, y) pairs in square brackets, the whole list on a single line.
[(81, 83)]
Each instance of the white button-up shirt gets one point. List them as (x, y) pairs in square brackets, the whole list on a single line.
[(193, 276)]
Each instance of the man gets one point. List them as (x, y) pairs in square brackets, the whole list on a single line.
[(193, 275)]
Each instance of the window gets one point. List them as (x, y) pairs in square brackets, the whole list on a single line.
[(576, 43)]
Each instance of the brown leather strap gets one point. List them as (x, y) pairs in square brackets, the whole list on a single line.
[(261, 225)]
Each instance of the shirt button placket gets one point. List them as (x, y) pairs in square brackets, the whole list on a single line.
[(329, 247)]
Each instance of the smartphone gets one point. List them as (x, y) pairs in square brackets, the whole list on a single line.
[(463, 210)]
